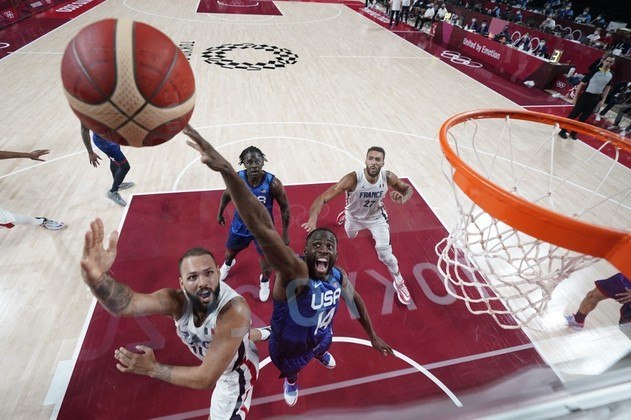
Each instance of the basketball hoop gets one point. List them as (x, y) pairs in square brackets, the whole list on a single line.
[(532, 209)]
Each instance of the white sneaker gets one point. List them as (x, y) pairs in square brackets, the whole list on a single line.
[(223, 271), (116, 197), (327, 360), (51, 224), (125, 185), (403, 294), (598, 117), (263, 289), (266, 332), (290, 392)]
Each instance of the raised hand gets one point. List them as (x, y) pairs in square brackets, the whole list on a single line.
[(96, 259), (210, 156), (309, 226)]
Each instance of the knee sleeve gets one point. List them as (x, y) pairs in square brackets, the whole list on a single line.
[(387, 257)]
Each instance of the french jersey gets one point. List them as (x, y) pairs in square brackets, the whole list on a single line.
[(263, 193), (298, 325), (365, 203), (199, 338)]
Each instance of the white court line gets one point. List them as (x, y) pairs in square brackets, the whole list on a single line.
[(46, 162), (378, 57), (546, 106)]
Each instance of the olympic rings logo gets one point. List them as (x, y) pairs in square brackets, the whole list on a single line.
[(456, 58), (534, 40), (560, 84), (575, 34)]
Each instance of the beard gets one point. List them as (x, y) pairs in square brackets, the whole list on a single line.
[(199, 306)]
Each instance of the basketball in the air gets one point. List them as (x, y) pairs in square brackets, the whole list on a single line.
[(128, 82)]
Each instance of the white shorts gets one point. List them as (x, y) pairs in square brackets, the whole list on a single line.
[(233, 392), (379, 228), (6, 217)]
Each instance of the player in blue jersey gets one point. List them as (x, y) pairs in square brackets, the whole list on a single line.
[(266, 188), (119, 166), (307, 290)]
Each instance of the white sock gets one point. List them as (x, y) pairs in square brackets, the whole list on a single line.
[(397, 278)]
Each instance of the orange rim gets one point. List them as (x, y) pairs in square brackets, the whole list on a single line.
[(584, 237)]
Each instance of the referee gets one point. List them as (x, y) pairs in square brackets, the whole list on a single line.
[(598, 83)]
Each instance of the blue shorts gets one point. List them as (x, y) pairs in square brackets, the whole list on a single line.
[(111, 149), (238, 243), (610, 287), (290, 364)]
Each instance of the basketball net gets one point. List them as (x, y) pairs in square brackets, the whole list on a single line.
[(525, 222)]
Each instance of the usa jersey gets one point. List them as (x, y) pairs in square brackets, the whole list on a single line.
[(199, 338), (366, 202), (264, 194), (303, 322)]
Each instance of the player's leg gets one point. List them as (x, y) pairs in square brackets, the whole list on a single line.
[(234, 245), (322, 354), (232, 396), (605, 289), (289, 367), (352, 227), (381, 234), (9, 219), (266, 274)]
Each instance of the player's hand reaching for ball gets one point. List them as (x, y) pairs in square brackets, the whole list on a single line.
[(96, 259), (210, 156)]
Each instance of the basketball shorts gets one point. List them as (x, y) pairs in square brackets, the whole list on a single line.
[(233, 392), (288, 363), (613, 285), (111, 149), (379, 228), (238, 243)]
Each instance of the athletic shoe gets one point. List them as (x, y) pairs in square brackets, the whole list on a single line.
[(116, 197), (598, 117), (223, 271), (613, 127), (290, 392), (327, 360), (563, 134), (51, 224), (573, 136), (263, 289), (125, 185), (341, 218), (571, 322), (623, 132), (266, 332), (402, 292)]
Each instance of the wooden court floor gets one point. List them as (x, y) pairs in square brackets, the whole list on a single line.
[(354, 85)]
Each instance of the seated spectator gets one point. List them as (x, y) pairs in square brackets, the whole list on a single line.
[(594, 38), (541, 50), (501, 39), (548, 24), (496, 12), (484, 28), (599, 22), (606, 41), (428, 16), (566, 13), (473, 26), (505, 33), (523, 43), (584, 18), (624, 47), (441, 12), (518, 18)]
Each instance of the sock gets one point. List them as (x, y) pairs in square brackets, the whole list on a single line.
[(264, 279), (579, 317), (229, 264), (266, 332), (397, 278)]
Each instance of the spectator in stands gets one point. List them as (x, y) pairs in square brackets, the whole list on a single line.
[(484, 28), (518, 17), (441, 12), (501, 39), (566, 13), (395, 12), (473, 26), (496, 12), (584, 18), (523, 43), (428, 16), (541, 50), (594, 39), (505, 33), (606, 41), (597, 84), (548, 24), (599, 22), (547, 9)]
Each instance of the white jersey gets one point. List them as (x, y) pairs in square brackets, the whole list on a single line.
[(199, 338), (365, 203)]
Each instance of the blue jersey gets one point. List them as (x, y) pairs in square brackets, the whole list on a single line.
[(298, 326), (263, 192)]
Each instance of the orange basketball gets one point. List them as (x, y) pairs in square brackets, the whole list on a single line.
[(128, 82)]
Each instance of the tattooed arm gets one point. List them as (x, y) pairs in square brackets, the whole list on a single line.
[(118, 298)]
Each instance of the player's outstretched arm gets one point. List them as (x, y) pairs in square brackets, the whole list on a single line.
[(280, 195), (402, 191), (358, 310), (118, 298), (258, 221), (347, 183), (232, 325), (34, 155)]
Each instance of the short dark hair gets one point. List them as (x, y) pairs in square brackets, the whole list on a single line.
[(251, 149), (194, 252), (377, 149), (320, 230)]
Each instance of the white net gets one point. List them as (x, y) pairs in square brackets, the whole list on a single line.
[(498, 270)]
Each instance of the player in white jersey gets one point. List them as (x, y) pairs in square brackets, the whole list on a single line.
[(210, 318), (365, 190)]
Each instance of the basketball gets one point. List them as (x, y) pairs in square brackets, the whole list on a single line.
[(128, 82)]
